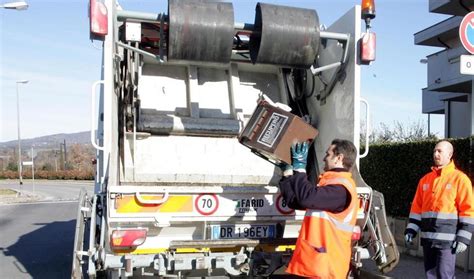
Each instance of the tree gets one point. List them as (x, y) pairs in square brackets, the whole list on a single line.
[(47, 167), (400, 132), (413, 132), (12, 166), (384, 135)]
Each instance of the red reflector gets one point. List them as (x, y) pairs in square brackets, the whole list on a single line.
[(128, 238), (367, 47), (356, 233), (98, 18)]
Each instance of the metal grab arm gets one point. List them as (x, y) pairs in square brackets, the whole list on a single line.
[(344, 38), (142, 52), (123, 15)]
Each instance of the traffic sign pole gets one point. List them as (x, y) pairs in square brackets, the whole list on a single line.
[(33, 168)]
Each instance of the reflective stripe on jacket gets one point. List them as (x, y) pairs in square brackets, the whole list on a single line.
[(443, 208), (323, 248)]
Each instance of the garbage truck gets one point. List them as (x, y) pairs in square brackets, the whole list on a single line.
[(176, 194)]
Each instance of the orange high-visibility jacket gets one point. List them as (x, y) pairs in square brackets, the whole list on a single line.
[(443, 208), (323, 248)]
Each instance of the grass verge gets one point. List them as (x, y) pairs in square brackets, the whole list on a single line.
[(7, 192)]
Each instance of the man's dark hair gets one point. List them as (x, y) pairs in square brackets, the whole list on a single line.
[(346, 148)]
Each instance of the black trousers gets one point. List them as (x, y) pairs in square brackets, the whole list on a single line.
[(439, 263)]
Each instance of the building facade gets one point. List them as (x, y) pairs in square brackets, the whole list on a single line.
[(448, 91)]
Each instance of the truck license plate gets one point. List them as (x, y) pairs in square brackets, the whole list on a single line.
[(242, 231)]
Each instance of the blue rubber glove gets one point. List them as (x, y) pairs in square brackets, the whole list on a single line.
[(459, 247), (299, 156)]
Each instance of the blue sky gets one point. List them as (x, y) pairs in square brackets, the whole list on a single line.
[(49, 45)]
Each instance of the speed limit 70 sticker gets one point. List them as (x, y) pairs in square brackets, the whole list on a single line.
[(206, 204), (282, 206)]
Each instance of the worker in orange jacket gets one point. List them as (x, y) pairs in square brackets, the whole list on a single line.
[(443, 210), (323, 248)]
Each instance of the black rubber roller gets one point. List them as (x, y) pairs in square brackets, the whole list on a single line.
[(200, 30), (284, 36)]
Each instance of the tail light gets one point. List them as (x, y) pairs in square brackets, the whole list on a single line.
[(356, 233), (367, 41), (98, 19), (128, 238), (367, 48)]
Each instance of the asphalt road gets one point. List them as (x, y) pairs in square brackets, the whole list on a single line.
[(411, 267), (48, 190), (37, 228), (37, 239)]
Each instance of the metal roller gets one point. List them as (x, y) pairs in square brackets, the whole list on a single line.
[(284, 36), (200, 30)]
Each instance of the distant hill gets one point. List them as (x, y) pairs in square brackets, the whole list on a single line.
[(51, 141)]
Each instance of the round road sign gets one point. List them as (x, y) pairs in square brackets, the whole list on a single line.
[(282, 207), (466, 32), (206, 204)]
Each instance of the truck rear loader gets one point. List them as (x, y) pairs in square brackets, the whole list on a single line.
[(176, 195)]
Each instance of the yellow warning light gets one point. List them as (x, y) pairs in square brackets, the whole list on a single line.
[(368, 9)]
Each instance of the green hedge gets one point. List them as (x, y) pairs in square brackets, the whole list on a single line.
[(395, 169), (52, 175)]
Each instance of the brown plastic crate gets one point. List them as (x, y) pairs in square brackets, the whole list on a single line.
[(271, 131)]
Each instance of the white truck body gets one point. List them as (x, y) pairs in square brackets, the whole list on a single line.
[(169, 162)]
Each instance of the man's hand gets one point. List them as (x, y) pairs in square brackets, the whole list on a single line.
[(408, 239), (299, 155), (459, 247), (286, 169)]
